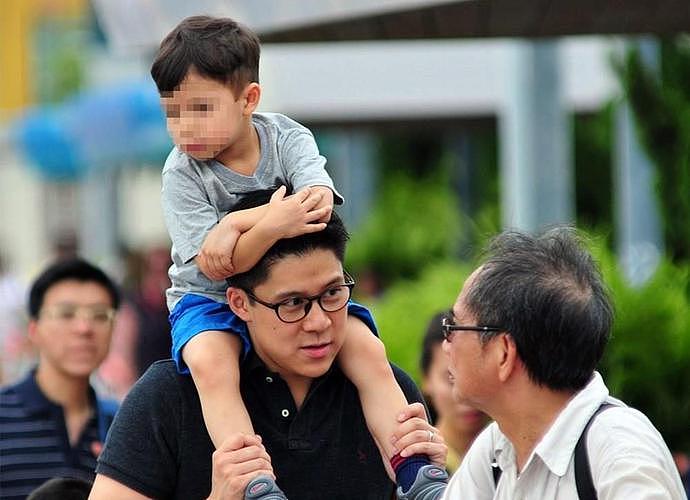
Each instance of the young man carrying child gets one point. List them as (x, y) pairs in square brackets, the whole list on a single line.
[(206, 71)]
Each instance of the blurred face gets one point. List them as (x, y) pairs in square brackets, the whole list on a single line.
[(203, 116), (73, 329), (462, 418), (305, 349)]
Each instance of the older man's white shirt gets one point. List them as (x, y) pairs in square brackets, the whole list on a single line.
[(627, 455)]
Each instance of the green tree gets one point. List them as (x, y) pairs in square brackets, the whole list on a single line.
[(414, 222), (647, 361), (660, 101)]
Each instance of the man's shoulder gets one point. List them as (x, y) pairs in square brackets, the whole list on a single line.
[(16, 395), (401, 375), (408, 386), (621, 426), (160, 378), (9, 388), (10, 395), (162, 372)]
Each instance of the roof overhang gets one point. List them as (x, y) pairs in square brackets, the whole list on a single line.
[(471, 19)]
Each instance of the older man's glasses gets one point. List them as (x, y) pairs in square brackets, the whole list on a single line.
[(66, 313), (294, 309), (449, 327)]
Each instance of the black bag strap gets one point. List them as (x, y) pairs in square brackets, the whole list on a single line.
[(583, 474)]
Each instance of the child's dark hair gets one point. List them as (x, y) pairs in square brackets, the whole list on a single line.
[(66, 270), (217, 48)]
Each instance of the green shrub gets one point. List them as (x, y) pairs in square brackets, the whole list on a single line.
[(415, 221), (647, 361), (403, 313)]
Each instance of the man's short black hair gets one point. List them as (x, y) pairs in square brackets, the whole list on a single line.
[(62, 488), (64, 270), (217, 48), (548, 294), (334, 237)]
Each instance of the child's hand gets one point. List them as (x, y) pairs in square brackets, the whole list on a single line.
[(215, 256), (287, 217), (326, 201)]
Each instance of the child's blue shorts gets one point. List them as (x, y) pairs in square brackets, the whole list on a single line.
[(194, 314)]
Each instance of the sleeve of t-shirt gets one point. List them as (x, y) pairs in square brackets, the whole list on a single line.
[(187, 211), (363, 314), (304, 165), (140, 449)]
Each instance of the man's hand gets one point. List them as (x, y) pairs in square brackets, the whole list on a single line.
[(236, 462), (215, 256), (287, 217), (417, 436)]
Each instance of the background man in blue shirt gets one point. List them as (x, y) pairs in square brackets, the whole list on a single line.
[(51, 423)]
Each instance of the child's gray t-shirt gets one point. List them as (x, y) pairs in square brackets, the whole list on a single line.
[(196, 195)]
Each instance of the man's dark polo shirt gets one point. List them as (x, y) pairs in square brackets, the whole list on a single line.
[(158, 444), (34, 445)]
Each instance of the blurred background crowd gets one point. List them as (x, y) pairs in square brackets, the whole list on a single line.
[(442, 123)]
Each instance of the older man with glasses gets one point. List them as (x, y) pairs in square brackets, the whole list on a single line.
[(526, 334), (51, 423)]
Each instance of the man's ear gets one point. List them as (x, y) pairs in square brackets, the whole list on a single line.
[(508, 356), (238, 302), (32, 333), (252, 96)]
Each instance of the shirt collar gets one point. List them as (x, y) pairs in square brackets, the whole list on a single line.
[(32, 396), (557, 446), (253, 364), (34, 399)]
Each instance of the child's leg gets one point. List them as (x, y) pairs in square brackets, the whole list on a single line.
[(363, 360), (213, 359)]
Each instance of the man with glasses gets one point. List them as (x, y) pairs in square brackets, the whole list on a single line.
[(293, 306), (51, 423), (527, 332)]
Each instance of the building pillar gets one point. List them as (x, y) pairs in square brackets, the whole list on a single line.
[(639, 238), (350, 154), (98, 217), (537, 186)]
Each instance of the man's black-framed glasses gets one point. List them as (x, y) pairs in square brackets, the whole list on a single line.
[(448, 327), (294, 309)]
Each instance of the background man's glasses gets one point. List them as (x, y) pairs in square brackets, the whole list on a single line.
[(449, 327), (295, 309), (96, 315)]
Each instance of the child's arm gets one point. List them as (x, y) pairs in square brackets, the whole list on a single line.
[(363, 360), (326, 201), (213, 359), (217, 257), (285, 217)]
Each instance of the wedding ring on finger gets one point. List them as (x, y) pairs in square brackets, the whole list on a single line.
[(431, 436)]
